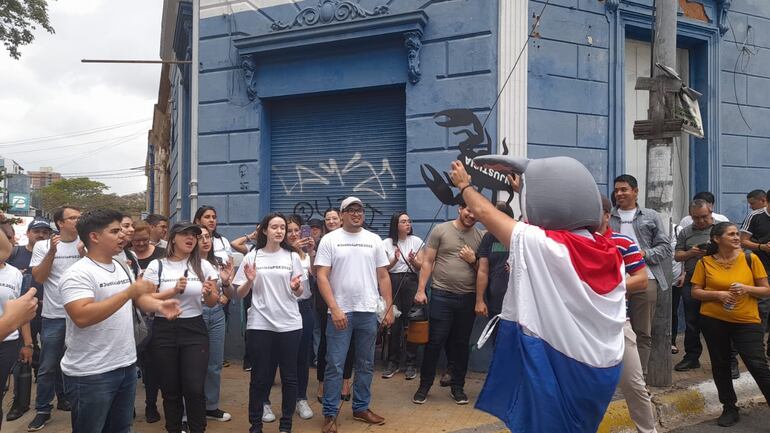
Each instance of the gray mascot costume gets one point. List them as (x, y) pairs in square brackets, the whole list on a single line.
[(559, 344)]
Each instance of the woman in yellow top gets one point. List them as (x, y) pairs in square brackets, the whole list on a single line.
[(728, 289)]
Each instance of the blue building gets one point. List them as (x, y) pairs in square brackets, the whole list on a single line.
[(292, 105)]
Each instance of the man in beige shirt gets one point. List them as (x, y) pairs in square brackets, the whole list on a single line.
[(450, 257)]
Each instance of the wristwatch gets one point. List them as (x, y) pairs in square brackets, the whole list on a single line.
[(30, 345)]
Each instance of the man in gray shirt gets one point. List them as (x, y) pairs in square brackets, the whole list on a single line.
[(690, 247)]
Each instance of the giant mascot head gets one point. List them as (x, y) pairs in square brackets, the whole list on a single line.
[(556, 193)]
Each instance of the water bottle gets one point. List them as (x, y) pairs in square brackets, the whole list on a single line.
[(727, 305)]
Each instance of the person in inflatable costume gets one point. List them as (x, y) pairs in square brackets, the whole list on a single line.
[(559, 346)]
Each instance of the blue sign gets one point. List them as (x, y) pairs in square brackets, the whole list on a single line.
[(18, 202)]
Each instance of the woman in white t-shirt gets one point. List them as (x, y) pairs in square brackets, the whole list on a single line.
[(11, 348), (206, 216), (272, 272), (404, 255), (180, 348), (215, 324), (126, 256)]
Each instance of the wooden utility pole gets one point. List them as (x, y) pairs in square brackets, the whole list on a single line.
[(660, 130)]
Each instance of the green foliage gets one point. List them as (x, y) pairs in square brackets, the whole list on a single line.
[(17, 23), (87, 195)]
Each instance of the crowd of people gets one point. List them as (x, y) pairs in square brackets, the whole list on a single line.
[(96, 300)]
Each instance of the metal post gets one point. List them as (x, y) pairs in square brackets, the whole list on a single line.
[(660, 184)]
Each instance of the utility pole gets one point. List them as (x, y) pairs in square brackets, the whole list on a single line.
[(660, 130)]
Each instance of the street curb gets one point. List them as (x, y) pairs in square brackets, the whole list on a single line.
[(681, 407), (674, 408)]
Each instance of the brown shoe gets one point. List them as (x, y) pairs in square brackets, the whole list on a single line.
[(330, 425), (369, 417)]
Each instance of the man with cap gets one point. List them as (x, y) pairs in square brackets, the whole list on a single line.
[(352, 264), (38, 230)]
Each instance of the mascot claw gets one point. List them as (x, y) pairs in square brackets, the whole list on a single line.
[(441, 188)]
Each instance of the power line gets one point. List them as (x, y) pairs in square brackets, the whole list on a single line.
[(64, 146), (78, 173), (73, 133)]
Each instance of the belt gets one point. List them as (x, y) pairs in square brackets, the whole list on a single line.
[(448, 294)]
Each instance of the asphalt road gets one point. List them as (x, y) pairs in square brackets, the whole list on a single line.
[(753, 420)]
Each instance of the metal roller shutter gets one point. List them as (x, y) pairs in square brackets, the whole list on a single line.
[(325, 148)]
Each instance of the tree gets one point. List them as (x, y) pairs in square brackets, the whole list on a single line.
[(17, 22), (87, 195)]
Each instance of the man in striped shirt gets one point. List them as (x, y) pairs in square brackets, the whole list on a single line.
[(632, 378), (755, 236)]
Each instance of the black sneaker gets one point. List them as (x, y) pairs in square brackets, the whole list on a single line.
[(151, 414), (410, 372), (687, 364), (458, 395), (218, 415), (39, 422), (390, 370), (63, 405), (729, 416), (421, 396), (16, 412)]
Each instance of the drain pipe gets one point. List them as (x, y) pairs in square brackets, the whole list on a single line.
[(194, 106)]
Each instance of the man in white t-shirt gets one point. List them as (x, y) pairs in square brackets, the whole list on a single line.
[(352, 263), (50, 259), (645, 227), (158, 229), (98, 294), (711, 200)]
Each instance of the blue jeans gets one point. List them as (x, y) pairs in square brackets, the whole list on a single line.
[(49, 377), (215, 323), (362, 327), (102, 402)]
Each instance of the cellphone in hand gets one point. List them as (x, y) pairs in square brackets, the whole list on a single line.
[(304, 232), (704, 246)]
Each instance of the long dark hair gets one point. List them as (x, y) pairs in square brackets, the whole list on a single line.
[(194, 261), (393, 231), (210, 256), (717, 231), (262, 237), (197, 219), (331, 209)]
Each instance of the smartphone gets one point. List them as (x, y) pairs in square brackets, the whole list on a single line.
[(304, 232), (704, 246)]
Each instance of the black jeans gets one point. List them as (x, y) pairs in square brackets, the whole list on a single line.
[(320, 371), (305, 350), (265, 349), (692, 345), (676, 296), (451, 323), (180, 356), (9, 353), (149, 377), (747, 340), (406, 284)]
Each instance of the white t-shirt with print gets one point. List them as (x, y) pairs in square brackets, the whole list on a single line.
[(10, 288), (109, 344), (354, 259), (222, 248), (190, 299), (66, 255), (273, 305), (410, 244)]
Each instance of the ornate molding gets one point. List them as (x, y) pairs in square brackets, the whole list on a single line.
[(724, 9), (612, 5), (329, 11), (249, 66), (413, 43)]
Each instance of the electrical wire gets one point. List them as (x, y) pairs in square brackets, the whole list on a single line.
[(70, 134), (65, 146)]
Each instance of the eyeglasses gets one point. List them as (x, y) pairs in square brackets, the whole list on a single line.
[(355, 211), (73, 218)]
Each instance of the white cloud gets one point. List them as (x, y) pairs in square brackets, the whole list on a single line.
[(50, 92)]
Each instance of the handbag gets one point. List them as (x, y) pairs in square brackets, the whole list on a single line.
[(141, 331)]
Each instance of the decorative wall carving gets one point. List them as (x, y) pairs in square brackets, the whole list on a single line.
[(328, 11), (249, 66), (724, 9), (612, 5), (413, 43)]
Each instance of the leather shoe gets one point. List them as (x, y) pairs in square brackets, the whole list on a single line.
[(16, 412), (687, 364), (369, 417), (330, 425)]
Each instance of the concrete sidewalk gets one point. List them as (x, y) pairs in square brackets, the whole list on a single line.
[(691, 399)]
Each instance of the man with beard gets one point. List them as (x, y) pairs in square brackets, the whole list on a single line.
[(450, 258)]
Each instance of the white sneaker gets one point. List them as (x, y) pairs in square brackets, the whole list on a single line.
[(267, 414), (303, 409)]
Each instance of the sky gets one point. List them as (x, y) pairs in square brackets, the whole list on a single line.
[(79, 118)]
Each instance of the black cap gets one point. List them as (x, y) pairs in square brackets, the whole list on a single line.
[(39, 224), (185, 226), (316, 223)]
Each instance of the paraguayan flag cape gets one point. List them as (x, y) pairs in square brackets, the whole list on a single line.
[(559, 345)]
